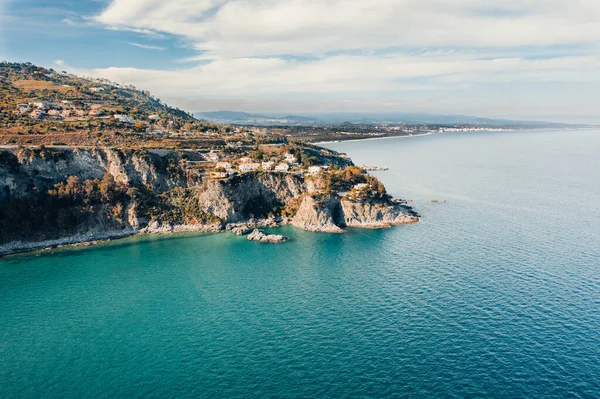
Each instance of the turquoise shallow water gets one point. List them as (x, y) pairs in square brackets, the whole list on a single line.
[(496, 293)]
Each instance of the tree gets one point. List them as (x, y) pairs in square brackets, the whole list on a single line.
[(107, 187)]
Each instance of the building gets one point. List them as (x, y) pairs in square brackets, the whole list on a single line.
[(41, 105), (282, 167), (23, 108), (97, 112), (314, 170), (361, 186), (212, 156), (224, 165), (290, 158), (54, 113), (37, 114), (219, 175), (248, 167), (154, 117), (268, 165), (236, 144), (246, 160), (124, 118)]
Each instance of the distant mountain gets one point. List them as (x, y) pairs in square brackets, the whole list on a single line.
[(244, 118)]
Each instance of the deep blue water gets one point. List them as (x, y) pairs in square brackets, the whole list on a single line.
[(496, 293)]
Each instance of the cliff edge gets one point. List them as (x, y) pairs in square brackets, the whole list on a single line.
[(62, 196)]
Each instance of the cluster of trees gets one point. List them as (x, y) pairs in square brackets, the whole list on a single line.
[(65, 208), (91, 192), (345, 179), (180, 206)]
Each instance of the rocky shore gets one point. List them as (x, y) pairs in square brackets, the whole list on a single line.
[(118, 194)]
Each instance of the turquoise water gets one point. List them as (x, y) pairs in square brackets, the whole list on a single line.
[(496, 293)]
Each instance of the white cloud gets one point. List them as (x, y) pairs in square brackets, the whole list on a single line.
[(239, 28), (356, 50), (146, 46)]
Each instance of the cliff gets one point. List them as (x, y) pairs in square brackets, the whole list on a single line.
[(59, 196), (333, 214)]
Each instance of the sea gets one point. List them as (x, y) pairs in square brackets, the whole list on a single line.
[(494, 294)]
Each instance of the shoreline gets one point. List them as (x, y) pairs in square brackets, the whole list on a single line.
[(347, 140), (371, 138), (91, 239)]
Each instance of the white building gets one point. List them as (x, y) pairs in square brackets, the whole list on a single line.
[(212, 156), (248, 167), (290, 158), (224, 165), (219, 175), (41, 105), (236, 144), (268, 165), (361, 186), (282, 167), (124, 118), (314, 170), (246, 160), (23, 108)]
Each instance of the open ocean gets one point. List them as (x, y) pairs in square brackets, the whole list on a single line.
[(495, 294)]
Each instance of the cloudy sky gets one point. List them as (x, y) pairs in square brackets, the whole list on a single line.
[(522, 59)]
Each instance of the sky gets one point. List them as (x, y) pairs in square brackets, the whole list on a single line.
[(516, 59)]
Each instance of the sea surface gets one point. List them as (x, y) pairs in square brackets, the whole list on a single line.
[(495, 294)]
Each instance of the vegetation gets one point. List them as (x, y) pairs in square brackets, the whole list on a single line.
[(346, 180), (43, 106)]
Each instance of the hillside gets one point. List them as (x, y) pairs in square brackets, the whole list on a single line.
[(44, 106)]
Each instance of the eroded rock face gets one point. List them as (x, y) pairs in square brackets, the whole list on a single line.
[(377, 215), (332, 214), (249, 196), (319, 214)]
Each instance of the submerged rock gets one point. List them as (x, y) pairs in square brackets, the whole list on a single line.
[(260, 236)]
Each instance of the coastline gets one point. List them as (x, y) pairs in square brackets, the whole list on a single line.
[(371, 138), (344, 140), (89, 239)]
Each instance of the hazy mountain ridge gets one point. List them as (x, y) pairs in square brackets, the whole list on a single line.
[(235, 117)]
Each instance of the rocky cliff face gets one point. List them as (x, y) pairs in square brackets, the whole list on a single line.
[(125, 192), (24, 169), (321, 214), (333, 214)]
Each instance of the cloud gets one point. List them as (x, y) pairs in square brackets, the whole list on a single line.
[(241, 28), (146, 46), (348, 74), (361, 52)]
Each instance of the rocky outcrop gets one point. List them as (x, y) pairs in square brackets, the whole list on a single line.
[(321, 214), (154, 192), (333, 214), (260, 236), (249, 196), (23, 169), (370, 214)]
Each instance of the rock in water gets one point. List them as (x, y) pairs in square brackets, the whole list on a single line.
[(241, 230), (260, 236)]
